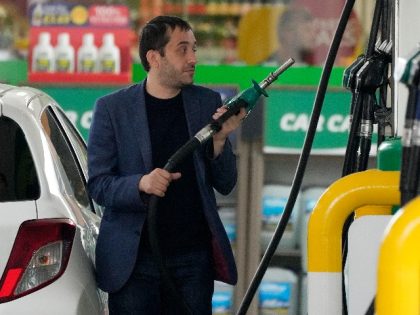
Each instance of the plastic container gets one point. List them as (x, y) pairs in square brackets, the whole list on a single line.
[(309, 198), (43, 54), (87, 55), (273, 204), (222, 301), (109, 55), (37, 14), (64, 54), (278, 292)]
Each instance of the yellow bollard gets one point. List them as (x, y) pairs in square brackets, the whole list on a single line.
[(399, 264), (371, 187)]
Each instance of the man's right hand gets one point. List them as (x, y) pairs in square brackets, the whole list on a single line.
[(157, 182)]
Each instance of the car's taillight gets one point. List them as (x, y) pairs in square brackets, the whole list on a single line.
[(39, 256)]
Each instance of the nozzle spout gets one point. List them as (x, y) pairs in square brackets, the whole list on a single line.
[(275, 74)]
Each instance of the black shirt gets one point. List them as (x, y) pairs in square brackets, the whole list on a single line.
[(182, 226)]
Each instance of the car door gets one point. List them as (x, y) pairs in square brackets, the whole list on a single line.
[(19, 186), (71, 156)]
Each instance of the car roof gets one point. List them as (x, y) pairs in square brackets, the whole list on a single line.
[(24, 98)]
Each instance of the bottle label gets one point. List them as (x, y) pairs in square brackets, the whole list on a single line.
[(275, 298), (87, 65), (108, 65), (62, 65), (62, 62), (222, 302), (272, 211), (42, 64)]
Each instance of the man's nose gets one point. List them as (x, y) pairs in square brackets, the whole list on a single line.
[(192, 58)]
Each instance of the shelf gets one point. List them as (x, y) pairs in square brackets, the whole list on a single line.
[(202, 10), (80, 78)]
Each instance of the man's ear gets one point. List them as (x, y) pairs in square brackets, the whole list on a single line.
[(152, 58)]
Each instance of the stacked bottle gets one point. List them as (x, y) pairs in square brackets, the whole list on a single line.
[(278, 292), (43, 54), (109, 55), (90, 59), (222, 301), (64, 54), (87, 55), (273, 205)]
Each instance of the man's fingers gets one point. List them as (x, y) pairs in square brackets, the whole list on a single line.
[(176, 176), (157, 182)]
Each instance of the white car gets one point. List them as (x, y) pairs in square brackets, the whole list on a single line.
[(48, 223)]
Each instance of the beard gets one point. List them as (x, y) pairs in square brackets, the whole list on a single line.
[(175, 78)]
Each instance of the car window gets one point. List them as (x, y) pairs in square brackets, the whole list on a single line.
[(18, 177), (80, 149), (66, 157), (77, 141)]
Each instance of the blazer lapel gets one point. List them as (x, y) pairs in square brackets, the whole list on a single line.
[(192, 111), (141, 125)]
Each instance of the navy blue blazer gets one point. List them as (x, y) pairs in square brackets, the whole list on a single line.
[(119, 154)]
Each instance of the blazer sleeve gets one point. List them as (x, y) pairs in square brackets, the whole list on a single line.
[(106, 186), (222, 169)]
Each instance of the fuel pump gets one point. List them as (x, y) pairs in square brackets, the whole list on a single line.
[(413, 167), (349, 82), (363, 78), (410, 76), (371, 76)]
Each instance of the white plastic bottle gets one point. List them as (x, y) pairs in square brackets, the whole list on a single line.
[(87, 55), (64, 54), (222, 300), (273, 205), (43, 54), (109, 55), (37, 13), (278, 292)]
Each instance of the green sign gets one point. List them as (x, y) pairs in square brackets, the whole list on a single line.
[(78, 103), (287, 118)]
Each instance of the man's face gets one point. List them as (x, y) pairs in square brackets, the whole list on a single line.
[(177, 66)]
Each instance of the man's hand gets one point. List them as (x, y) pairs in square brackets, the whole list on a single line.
[(157, 182), (228, 126)]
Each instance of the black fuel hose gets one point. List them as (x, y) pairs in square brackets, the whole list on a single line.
[(366, 129), (414, 166), (410, 114), (408, 192), (350, 157), (303, 160)]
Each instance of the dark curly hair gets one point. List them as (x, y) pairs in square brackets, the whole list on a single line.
[(154, 35)]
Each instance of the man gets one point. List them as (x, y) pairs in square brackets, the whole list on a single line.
[(133, 133)]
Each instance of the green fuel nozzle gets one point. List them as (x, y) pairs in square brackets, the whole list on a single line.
[(246, 99), (252, 94)]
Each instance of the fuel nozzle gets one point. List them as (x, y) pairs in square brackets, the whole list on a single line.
[(248, 98)]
